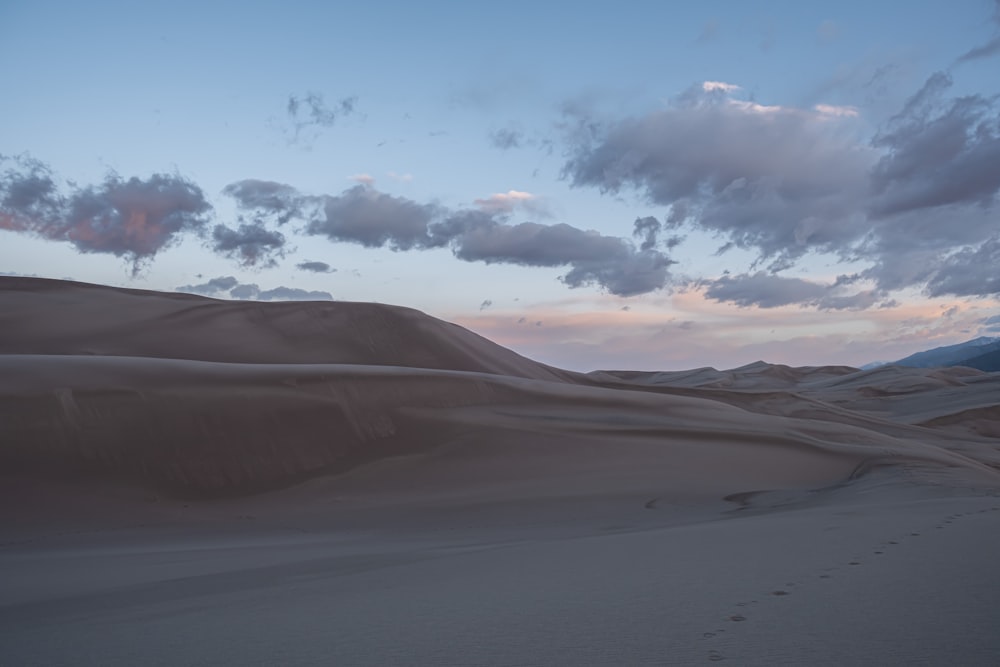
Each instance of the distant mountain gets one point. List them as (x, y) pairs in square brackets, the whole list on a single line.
[(989, 361), (975, 353)]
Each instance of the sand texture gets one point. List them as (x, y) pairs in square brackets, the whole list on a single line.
[(194, 481)]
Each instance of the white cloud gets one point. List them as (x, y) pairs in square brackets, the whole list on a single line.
[(709, 86), (839, 111)]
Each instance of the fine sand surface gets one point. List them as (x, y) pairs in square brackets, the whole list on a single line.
[(192, 481)]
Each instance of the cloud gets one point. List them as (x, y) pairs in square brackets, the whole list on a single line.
[(310, 112), (315, 267), (766, 290), (267, 201), (763, 290), (969, 272), (363, 179), (783, 182), (249, 244), (212, 287), (648, 229), (507, 138), (485, 304), (832, 110), (237, 290), (245, 291), (373, 219), (293, 294), (990, 48), (133, 219), (938, 152), (137, 218), (775, 179), (594, 259), (506, 202), (711, 86)]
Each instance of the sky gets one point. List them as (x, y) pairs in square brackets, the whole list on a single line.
[(627, 185)]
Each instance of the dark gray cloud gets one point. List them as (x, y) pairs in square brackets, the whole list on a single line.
[(781, 181), (766, 290), (648, 229), (594, 259), (30, 196), (938, 152), (763, 290), (485, 304), (134, 219), (969, 272), (267, 201), (374, 219), (315, 267), (252, 245)]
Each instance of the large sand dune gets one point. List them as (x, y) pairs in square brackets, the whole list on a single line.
[(233, 482)]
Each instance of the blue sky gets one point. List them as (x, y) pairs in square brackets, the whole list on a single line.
[(596, 185)]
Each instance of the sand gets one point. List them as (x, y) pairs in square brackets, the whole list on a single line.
[(193, 481)]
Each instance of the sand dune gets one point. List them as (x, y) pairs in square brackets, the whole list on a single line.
[(164, 454)]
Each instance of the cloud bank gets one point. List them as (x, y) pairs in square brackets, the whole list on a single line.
[(918, 203), (915, 205)]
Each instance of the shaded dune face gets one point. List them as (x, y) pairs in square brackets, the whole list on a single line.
[(200, 397)]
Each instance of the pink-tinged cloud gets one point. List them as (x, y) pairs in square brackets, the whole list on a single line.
[(506, 202), (133, 218)]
